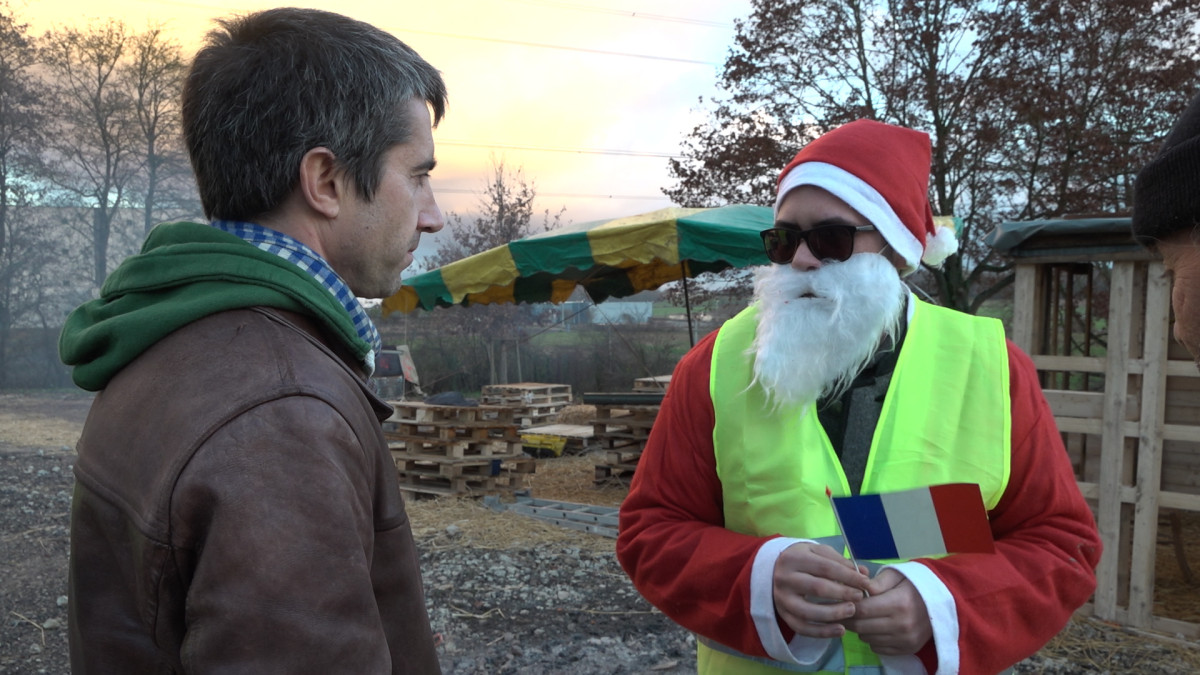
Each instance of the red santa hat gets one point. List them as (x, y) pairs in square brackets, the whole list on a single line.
[(882, 172)]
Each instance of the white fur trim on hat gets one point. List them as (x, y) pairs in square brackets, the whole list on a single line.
[(860, 196), (940, 245)]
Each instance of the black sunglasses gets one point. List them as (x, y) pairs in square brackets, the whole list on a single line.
[(827, 242)]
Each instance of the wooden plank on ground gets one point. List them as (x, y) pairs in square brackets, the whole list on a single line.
[(580, 431)]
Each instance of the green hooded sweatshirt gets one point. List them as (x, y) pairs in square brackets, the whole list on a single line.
[(185, 272)]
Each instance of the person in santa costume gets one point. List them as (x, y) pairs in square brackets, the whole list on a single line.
[(837, 376)]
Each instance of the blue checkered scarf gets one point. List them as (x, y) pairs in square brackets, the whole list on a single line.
[(307, 259)]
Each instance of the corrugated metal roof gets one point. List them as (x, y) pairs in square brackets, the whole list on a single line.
[(1067, 235)]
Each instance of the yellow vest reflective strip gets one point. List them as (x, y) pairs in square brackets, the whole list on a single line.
[(945, 419), (717, 658)]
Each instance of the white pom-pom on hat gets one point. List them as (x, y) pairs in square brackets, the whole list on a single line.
[(940, 244)]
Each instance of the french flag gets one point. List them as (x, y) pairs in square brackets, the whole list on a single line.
[(927, 521)]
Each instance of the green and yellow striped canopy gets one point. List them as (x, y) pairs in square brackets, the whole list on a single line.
[(609, 259)]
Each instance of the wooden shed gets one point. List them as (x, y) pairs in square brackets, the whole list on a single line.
[(1093, 310)]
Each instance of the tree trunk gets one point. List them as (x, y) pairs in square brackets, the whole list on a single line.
[(151, 185), (5, 332), (517, 345), (503, 362), (101, 220), (491, 354)]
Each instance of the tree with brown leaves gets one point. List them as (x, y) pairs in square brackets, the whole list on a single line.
[(1036, 108)]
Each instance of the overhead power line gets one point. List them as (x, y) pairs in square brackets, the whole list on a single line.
[(542, 45), (539, 45), (546, 148), (569, 195), (625, 12)]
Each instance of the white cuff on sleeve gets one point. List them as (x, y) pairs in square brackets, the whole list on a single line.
[(802, 650), (943, 613)]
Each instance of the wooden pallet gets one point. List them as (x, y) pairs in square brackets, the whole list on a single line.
[(523, 464), (623, 430), (460, 485), (413, 412), (526, 394), (607, 473), (658, 383), (453, 449), (442, 432), (433, 475), (621, 441), (622, 457), (632, 419), (454, 483), (428, 467), (402, 431), (526, 417)]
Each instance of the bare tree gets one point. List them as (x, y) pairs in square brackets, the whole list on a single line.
[(154, 74), (39, 287), (1080, 96), (21, 116), (24, 249), (93, 153), (505, 213), (88, 118)]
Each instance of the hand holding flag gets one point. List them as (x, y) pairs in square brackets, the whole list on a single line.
[(926, 521), (829, 494)]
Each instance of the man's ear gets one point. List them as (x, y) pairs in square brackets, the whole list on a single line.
[(321, 182)]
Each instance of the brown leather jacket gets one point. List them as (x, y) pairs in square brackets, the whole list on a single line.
[(236, 510)]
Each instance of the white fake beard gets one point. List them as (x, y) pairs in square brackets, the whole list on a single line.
[(817, 330)]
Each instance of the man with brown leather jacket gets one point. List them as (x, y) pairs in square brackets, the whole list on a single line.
[(236, 507)]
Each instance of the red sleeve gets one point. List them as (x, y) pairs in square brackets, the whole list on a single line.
[(672, 541), (1047, 545)]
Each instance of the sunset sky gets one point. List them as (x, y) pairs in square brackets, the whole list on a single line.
[(589, 97)]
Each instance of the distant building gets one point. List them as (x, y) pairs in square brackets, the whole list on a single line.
[(566, 314), (613, 311)]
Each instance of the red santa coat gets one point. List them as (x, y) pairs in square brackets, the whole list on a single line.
[(674, 547)]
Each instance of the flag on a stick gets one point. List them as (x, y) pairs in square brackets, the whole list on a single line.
[(926, 521)]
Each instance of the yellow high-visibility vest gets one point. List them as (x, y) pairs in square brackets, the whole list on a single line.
[(946, 418)]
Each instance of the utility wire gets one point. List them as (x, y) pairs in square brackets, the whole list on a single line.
[(480, 38), (625, 12), (573, 195), (573, 151), (543, 45), (619, 153)]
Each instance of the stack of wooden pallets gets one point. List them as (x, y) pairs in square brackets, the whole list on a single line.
[(456, 450), (532, 403), (621, 431)]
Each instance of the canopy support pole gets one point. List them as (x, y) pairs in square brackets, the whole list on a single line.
[(687, 304)]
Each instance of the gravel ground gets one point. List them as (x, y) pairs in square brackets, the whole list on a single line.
[(543, 601)]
